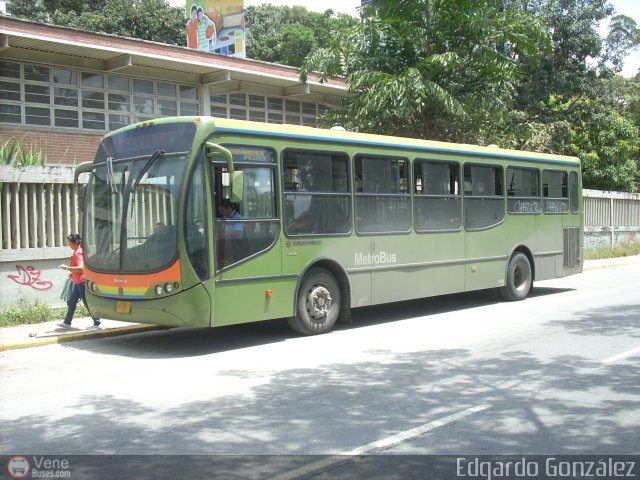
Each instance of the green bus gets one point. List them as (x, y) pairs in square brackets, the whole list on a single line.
[(200, 221)]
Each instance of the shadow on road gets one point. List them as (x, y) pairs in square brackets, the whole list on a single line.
[(305, 410), (189, 342)]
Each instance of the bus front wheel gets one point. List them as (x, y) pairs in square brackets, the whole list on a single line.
[(519, 279), (317, 303)]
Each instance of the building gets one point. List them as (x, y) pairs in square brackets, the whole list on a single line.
[(62, 89)]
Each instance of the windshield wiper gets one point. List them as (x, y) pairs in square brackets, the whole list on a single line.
[(154, 157), (111, 181)]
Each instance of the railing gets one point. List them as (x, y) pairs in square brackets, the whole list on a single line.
[(39, 206), (610, 218)]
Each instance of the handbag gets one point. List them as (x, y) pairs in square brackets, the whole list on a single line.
[(66, 289)]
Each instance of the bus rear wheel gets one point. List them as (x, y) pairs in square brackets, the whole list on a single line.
[(318, 303), (519, 279)]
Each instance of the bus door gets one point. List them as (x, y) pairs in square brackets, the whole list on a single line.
[(488, 240), (550, 231), (438, 246), (247, 283)]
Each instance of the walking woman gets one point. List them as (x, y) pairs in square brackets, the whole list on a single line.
[(76, 272)]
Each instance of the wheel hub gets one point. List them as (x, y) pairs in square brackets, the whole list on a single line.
[(318, 302)]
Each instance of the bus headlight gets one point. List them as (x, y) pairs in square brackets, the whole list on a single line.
[(158, 289), (168, 288)]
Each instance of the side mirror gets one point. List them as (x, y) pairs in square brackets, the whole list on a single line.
[(236, 178), (84, 167)]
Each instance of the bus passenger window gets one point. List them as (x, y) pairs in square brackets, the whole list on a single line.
[(574, 194), (484, 203), (316, 193), (523, 190), (438, 205), (556, 195), (383, 201)]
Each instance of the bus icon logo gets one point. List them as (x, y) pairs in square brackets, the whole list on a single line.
[(18, 467)]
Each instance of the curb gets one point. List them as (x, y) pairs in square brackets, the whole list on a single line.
[(610, 262), (83, 335)]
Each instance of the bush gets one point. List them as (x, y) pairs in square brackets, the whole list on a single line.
[(622, 250), (25, 312), (15, 152)]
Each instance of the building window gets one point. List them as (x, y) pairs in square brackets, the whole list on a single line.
[(68, 98), (260, 108)]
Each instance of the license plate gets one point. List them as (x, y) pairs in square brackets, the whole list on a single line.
[(123, 307)]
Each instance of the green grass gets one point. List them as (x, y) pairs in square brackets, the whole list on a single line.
[(15, 152), (622, 250), (26, 312)]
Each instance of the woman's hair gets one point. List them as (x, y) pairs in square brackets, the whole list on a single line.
[(74, 237)]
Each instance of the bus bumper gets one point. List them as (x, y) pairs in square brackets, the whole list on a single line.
[(190, 308)]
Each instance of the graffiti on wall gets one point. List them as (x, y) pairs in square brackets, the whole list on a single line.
[(30, 277)]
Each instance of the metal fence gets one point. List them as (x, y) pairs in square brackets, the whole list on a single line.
[(610, 218)]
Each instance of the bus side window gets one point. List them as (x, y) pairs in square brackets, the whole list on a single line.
[(196, 227), (383, 204), (484, 204), (524, 190), (555, 193), (574, 194), (438, 206), (316, 193)]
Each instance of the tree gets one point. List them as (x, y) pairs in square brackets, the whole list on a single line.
[(438, 69), (624, 35), (153, 20), (296, 43), (570, 101), (606, 142), (287, 35)]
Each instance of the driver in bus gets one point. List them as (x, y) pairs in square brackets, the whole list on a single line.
[(229, 212)]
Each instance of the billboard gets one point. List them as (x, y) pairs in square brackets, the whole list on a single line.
[(216, 26)]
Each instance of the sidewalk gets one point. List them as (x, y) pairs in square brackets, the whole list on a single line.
[(610, 262), (34, 335), (24, 336)]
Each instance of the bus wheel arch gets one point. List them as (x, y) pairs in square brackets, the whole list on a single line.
[(322, 298), (519, 276)]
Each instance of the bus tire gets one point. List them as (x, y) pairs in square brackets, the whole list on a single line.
[(519, 279), (317, 304)]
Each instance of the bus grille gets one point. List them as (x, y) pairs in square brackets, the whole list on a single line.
[(571, 248)]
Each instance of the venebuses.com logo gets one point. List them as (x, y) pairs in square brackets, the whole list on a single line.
[(18, 467), (38, 467)]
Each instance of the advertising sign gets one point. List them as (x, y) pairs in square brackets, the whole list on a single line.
[(216, 26)]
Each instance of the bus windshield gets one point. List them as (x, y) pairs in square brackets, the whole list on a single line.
[(131, 213)]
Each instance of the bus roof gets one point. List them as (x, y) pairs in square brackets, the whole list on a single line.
[(224, 125)]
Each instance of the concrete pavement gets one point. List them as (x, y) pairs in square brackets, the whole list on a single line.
[(33, 335), (45, 333)]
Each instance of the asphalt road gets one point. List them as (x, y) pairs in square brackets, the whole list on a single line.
[(456, 375)]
